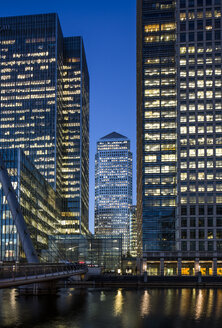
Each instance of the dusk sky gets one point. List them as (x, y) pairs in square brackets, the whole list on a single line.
[(109, 32)]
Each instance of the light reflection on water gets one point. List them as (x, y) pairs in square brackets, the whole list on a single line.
[(118, 303), (145, 303), (108, 308)]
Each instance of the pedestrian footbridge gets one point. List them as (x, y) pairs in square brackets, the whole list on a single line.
[(18, 275)]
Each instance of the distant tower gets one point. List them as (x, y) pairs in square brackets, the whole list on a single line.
[(113, 186)]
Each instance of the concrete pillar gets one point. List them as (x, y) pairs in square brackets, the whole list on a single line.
[(143, 265), (196, 266), (179, 266), (145, 277), (162, 266), (214, 266), (138, 266)]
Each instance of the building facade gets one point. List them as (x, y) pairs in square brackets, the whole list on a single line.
[(31, 87), (75, 164), (133, 231), (199, 119), (40, 207), (113, 187), (156, 124), (44, 107), (104, 252), (179, 126)]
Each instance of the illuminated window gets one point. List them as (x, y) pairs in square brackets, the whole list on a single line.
[(152, 147), (192, 152), (152, 93), (152, 61), (152, 28), (151, 126), (182, 16), (168, 158), (152, 38), (183, 129), (152, 82), (183, 176), (192, 129), (168, 26), (152, 169), (219, 152), (150, 158), (167, 37)]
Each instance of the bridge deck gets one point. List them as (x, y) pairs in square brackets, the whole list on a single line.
[(24, 275)]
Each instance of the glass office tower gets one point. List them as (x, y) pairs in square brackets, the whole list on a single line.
[(156, 124), (44, 107), (199, 91), (31, 90), (75, 166), (179, 125), (113, 187)]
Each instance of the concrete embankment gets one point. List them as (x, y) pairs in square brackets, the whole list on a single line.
[(150, 282)]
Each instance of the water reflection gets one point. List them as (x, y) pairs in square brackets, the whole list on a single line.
[(118, 303), (145, 303), (102, 296), (199, 304), (95, 308), (210, 297), (218, 302)]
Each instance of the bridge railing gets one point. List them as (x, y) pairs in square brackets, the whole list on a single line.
[(27, 270)]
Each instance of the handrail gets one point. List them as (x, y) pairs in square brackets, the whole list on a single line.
[(16, 271)]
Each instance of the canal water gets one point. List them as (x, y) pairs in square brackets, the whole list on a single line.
[(113, 308)]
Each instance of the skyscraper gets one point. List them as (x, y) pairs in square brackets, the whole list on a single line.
[(113, 187), (31, 90), (179, 125), (156, 124), (199, 118), (44, 107), (75, 168)]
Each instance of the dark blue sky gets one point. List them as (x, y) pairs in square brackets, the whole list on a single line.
[(109, 32)]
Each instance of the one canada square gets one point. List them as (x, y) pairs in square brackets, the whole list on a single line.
[(113, 187), (179, 125)]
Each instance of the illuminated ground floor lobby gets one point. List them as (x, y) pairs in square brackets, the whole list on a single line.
[(181, 264)]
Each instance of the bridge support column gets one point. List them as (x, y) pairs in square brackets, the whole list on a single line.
[(215, 267), (162, 266), (179, 266), (39, 288)]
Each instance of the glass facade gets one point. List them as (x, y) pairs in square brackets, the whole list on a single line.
[(44, 107), (156, 124), (199, 212), (30, 78), (39, 203), (133, 231), (113, 187), (96, 251), (179, 125), (76, 137)]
